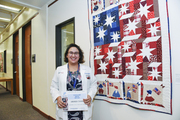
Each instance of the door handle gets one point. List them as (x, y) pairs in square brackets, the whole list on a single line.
[(15, 71)]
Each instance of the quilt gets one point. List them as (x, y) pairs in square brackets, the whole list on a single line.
[(131, 53)]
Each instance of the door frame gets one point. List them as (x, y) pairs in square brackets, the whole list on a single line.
[(23, 61), (14, 64)]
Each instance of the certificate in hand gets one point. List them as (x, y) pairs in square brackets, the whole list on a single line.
[(75, 100)]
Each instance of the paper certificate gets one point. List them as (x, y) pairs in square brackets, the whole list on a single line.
[(75, 101)]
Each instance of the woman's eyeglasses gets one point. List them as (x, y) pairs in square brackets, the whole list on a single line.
[(75, 53)]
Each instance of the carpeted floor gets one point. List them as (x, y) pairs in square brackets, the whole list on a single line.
[(12, 108)]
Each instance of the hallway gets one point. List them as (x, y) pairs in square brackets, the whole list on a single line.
[(12, 108)]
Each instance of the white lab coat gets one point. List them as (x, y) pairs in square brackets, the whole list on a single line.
[(59, 86)]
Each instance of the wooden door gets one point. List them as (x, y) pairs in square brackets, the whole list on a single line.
[(17, 63), (27, 47)]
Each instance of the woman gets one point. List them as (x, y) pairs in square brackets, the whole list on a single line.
[(73, 77)]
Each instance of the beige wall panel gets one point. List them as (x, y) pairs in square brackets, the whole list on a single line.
[(39, 68), (7, 45), (20, 64)]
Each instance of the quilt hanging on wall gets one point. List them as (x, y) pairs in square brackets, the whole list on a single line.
[(132, 53)]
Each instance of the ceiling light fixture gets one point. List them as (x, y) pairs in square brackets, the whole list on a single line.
[(9, 8), (2, 27), (5, 19)]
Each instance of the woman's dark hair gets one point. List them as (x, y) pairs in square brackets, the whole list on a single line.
[(81, 54)]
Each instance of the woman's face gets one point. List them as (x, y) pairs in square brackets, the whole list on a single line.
[(73, 55)]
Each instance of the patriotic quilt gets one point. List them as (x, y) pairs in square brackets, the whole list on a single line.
[(131, 55)]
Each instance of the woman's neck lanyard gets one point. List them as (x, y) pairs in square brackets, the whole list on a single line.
[(74, 85)]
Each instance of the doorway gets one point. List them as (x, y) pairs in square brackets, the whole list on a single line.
[(26, 64), (16, 63)]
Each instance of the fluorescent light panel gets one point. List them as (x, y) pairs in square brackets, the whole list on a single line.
[(5, 19), (2, 27), (9, 8)]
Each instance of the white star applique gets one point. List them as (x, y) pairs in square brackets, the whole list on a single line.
[(123, 9), (101, 33), (146, 51), (126, 46), (133, 66), (116, 73), (97, 50), (144, 10), (155, 73), (96, 19), (103, 66), (110, 55), (115, 36), (153, 30), (109, 20), (132, 26)]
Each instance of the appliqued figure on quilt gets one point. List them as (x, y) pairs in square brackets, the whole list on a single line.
[(128, 93), (116, 92), (149, 97), (101, 88), (96, 5), (132, 91), (152, 94)]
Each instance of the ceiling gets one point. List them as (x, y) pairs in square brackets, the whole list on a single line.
[(7, 15)]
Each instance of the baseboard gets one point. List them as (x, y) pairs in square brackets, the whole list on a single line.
[(20, 98), (43, 114)]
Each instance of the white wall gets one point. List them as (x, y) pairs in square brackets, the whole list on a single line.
[(20, 64), (174, 9), (39, 68), (7, 45)]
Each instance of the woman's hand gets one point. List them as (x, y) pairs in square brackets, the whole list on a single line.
[(88, 100), (60, 103)]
